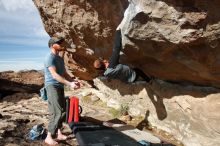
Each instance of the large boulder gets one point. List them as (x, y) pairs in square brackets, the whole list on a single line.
[(172, 40), (189, 113), (20, 82), (88, 27), (168, 39)]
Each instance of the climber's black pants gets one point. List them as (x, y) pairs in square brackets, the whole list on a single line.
[(140, 73)]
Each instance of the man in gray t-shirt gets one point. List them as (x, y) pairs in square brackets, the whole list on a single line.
[(113, 69), (55, 79)]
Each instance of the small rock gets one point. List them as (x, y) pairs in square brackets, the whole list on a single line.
[(126, 118), (95, 98), (86, 93), (114, 104), (134, 111), (20, 121)]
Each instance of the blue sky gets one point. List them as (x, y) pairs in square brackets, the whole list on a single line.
[(23, 40)]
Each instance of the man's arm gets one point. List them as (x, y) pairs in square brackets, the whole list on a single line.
[(60, 79), (114, 59), (57, 77)]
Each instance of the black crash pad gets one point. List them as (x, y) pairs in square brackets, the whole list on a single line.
[(88, 134)]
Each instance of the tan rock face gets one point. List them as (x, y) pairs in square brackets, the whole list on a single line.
[(178, 41), (172, 40), (23, 81), (88, 27), (189, 113)]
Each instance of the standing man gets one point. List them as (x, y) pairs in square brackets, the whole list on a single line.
[(55, 75)]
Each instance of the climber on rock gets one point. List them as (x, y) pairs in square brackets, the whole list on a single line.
[(114, 70)]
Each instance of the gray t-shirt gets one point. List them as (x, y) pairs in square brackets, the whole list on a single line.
[(57, 62), (121, 72)]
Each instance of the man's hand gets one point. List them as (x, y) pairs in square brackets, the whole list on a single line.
[(79, 83), (76, 84)]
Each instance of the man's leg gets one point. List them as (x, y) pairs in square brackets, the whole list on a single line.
[(62, 102), (141, 74), (56, 108), (114, 59)]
